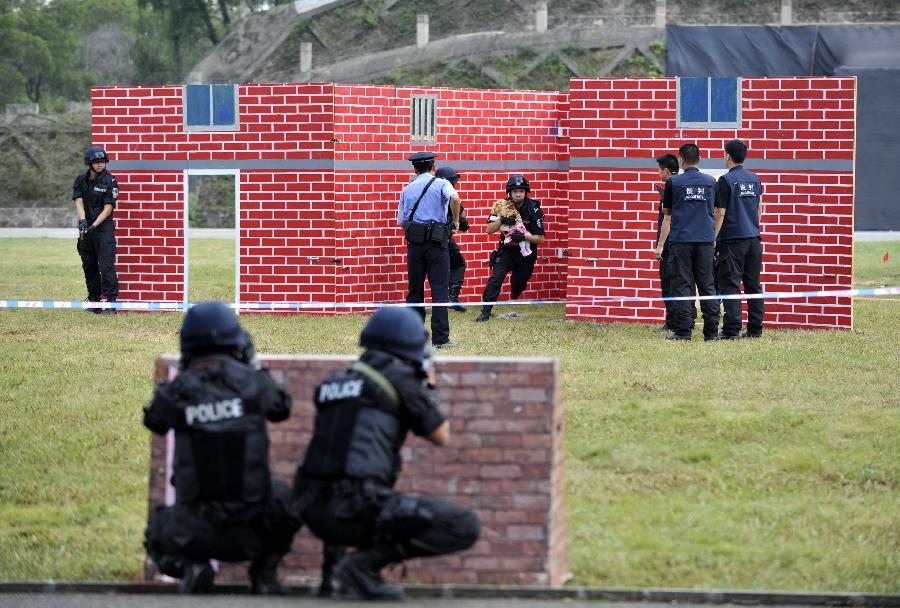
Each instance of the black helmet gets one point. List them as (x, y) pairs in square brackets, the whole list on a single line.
[(95, 154), (209, 325), (398, 331), (517, 182), (448, 174)]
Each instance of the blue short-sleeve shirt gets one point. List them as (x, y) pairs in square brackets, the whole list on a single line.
[(434, 205)]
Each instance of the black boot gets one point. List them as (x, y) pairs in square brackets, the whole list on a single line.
[(360, 574), (484, 316), (331, 555), (264, 576), (454, 298), (197, 577)]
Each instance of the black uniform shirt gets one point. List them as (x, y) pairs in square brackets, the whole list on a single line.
[(532, 218), (96, 193), (218, 408)]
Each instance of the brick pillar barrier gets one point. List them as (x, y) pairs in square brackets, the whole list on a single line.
[(505, 461)]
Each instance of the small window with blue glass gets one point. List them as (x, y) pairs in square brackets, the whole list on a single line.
[(709, 103), (210, 107)]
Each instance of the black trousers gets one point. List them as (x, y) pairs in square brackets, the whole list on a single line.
[(740, 261), (509, 260), (430, 260), (457, 269), (187, 532), (691, 266), (665, 281), (98, 260), (419, 526)]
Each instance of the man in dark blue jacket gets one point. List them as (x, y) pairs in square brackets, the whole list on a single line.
[(738, 194), (689, 228)]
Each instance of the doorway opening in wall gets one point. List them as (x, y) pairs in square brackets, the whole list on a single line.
[(211, 247)]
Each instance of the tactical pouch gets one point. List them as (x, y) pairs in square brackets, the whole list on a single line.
[(403, 517), (415, 233), (493, 258), (438, 233)]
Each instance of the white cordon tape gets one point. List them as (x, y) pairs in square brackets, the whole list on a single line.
[(595, 301)]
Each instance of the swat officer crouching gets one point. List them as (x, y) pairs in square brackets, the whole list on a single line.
[(227, 507), (344, 488), (95, 193)]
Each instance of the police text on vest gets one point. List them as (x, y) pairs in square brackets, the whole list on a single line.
[(340, 390), (213, 412)]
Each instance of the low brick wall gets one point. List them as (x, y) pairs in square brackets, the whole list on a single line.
[(505, 461)]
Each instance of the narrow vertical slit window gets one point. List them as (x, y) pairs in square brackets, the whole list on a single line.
[(423, 119)]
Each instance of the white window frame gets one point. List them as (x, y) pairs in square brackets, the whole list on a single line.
[(237, 231), (235, 126), (708, 124)]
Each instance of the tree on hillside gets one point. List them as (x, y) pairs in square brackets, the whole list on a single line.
[(38, 50)]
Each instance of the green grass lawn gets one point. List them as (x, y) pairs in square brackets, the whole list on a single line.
[(767, 464)]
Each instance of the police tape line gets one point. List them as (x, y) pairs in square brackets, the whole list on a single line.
[(596, 300)]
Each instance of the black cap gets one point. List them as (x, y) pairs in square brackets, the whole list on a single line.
[(414, 158)]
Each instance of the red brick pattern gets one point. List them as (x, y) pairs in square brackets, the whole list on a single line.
[(505, 461), (331, 234), (807, 217)]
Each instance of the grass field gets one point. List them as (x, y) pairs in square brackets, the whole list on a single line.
[(767, 464)]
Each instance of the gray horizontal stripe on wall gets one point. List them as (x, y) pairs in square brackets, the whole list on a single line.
[(763, 164), (180, 165)]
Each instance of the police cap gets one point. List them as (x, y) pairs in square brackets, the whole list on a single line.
[(398, 331), (420, 156)]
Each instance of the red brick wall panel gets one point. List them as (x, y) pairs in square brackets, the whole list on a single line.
[(505, 461), (807, 218)]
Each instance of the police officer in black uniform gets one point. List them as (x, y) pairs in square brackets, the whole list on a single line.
[(227, 506), (689, 229), (507, 260), (344, 488), (95, 193), (457, 261), (668, 166), (425, 204), (738, 193)]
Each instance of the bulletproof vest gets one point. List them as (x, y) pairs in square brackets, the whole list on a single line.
[(693, 197), (357, 433), (221, 444), (93, 193), (742, 216), (530, 216)]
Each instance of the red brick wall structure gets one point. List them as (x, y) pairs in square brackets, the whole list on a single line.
[(282, 152), (801, 136), (486, 135), (505, 460), (321, 167)]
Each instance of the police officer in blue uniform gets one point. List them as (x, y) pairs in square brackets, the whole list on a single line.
[(95, 193), (344, 487), (507, 260), (738, 194), (227, 506), (457, 261), (689, 228), (425, 205)]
